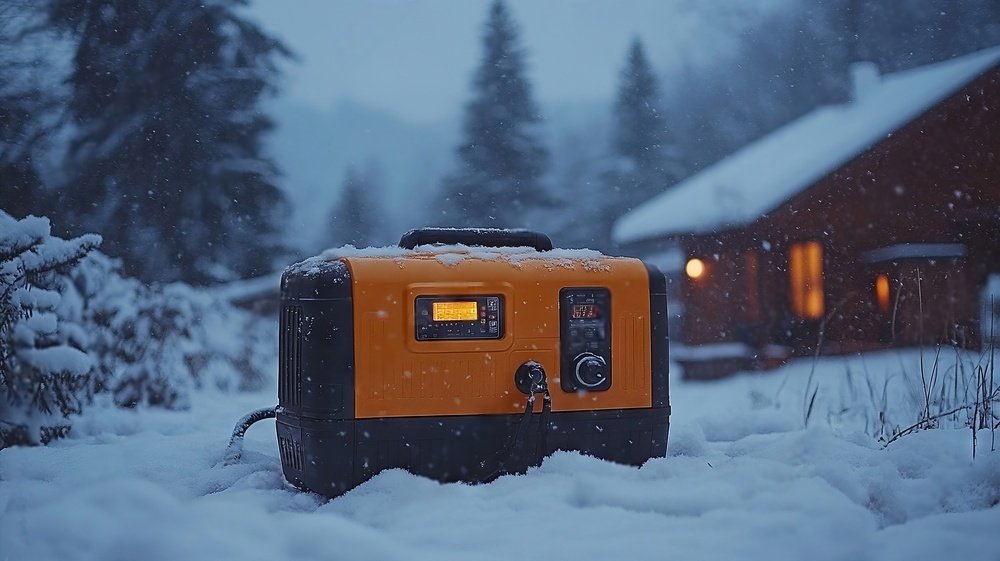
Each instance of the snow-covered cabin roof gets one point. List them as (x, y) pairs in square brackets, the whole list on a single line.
[(761, 176)]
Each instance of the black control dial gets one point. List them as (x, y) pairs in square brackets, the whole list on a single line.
[(591, 370), (585, 339)]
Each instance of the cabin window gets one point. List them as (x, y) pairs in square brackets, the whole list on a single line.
[(752, 268), (805, 271), (882, 293)]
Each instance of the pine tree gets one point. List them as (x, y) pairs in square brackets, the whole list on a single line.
[(642, 159), (354, 216), (640, 134), (24, 102), (501, 160), (168, 145)]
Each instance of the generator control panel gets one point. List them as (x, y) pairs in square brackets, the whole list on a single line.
[(585, 339), (451, 318)]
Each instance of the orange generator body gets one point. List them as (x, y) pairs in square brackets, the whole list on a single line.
[(430, 357)]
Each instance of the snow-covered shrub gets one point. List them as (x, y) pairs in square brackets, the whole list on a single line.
[(72, 327), (45, 370), (154, 344)]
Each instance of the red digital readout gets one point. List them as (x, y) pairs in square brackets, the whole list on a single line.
[(585, 311)]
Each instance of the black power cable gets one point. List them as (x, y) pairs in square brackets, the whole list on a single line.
[(235, 448), (537, 385), (543, 430), (516, 457)]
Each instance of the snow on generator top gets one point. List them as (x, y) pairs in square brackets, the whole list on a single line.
[(429, 357)]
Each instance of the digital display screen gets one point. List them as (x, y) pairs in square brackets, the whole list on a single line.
[(585, 311), (455, 311)]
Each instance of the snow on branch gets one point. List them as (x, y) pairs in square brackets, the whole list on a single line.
[(42, 375), (72, 326)]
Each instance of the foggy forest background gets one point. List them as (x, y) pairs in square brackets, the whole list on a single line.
[(149, 123)]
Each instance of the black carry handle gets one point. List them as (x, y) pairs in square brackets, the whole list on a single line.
[(486, 237)]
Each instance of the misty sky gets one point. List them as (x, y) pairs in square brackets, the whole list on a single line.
[(415, 58)]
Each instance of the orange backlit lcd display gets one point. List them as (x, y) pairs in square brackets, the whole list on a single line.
[(455, 311)]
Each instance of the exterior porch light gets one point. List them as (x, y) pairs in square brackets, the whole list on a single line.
[(695, 268)]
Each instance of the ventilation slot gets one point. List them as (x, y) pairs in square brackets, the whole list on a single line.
[(291, 453), (290, 357)]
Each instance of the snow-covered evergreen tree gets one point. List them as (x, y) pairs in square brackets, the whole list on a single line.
[(167, 150), (354, 219), (643, 161), (44, 368), (26, 107), (498, 182), (640, 131)]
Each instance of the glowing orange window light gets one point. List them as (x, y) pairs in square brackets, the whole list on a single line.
[(805, 276), (695, 268), (882, 293)]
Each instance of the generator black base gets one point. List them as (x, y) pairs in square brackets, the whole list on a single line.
[(330, 457)]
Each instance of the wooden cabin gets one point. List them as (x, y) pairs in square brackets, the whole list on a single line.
[(861, 226)]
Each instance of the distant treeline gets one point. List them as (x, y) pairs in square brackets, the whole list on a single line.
[(664, 126), (140, 121), (150, 135)]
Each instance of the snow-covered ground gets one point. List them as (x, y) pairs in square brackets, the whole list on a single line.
[(743, 480)]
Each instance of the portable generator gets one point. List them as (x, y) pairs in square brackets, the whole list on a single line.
[(429, 357)]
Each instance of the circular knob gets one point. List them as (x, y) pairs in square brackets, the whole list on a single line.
[(591, 370)]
